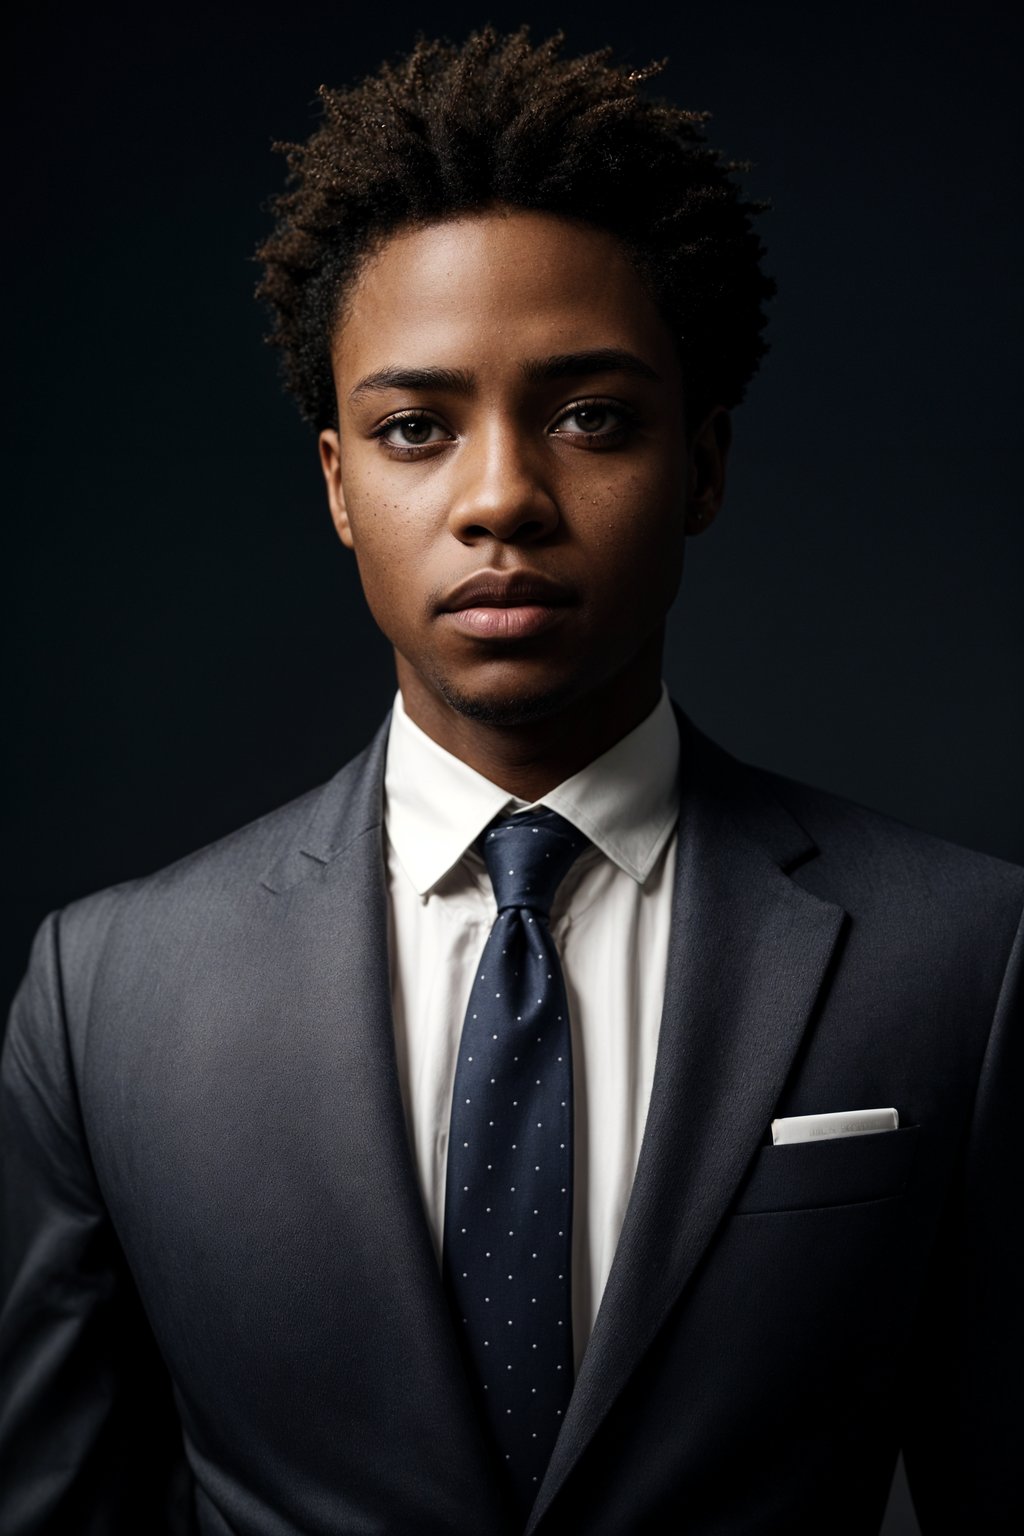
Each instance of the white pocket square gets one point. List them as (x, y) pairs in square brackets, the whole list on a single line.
[(846, 1122)]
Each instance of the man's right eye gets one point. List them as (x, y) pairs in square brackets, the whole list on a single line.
[(412, 431)]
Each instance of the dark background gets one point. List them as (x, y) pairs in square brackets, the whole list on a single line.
[(189, 641)]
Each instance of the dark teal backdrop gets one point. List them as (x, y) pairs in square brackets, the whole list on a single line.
[(189, 642)]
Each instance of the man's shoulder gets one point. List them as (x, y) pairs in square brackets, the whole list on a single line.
[(868, 847), (221, 880), (836, 843)]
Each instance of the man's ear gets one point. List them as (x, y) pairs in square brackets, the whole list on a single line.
[(330, 463), (709, 449)]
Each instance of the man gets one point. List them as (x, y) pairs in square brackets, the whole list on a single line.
[(549, 1124)]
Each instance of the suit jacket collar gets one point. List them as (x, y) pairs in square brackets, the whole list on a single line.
[(749, 954), (352, 803), (348, 806)]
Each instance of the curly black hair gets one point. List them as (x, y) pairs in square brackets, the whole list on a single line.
[(452, 129)]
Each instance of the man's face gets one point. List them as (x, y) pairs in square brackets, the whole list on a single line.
[(510, 405)]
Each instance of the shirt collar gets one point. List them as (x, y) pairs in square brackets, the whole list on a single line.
[(626, 801)]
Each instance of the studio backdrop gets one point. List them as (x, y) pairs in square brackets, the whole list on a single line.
[(189, 642)]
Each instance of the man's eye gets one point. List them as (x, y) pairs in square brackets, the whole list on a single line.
[(593, 419), (411, 432)]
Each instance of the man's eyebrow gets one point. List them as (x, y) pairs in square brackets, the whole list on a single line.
[(596, 360), (460, 381), (455, 380)]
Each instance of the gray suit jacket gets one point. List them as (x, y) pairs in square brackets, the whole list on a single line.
[(215, 1244)]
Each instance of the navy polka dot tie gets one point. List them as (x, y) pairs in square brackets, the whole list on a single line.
[(508, 1196)]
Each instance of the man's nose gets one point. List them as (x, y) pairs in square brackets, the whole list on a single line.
[(502, 489)]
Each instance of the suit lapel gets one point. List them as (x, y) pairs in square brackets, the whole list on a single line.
[(748, 954), (343, 1068)]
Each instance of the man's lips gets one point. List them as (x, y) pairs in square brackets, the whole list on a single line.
[(506, 589), (505, 605)]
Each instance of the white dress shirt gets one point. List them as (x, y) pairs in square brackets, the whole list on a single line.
[(610, 921)]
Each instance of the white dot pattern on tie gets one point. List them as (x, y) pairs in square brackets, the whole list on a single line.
[(508, 1200)]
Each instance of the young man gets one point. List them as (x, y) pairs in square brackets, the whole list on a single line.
[(549, 1124)]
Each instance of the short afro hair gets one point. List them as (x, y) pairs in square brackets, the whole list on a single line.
[(452, 129)]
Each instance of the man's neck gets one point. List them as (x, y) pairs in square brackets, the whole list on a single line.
[(529, 758)]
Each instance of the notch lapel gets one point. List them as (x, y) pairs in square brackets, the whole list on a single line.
[(335, 1019), (748, 954)]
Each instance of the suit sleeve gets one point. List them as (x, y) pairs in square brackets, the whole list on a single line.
[(966, 1382), (90, 1444)]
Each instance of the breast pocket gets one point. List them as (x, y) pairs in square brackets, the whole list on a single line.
[(842, 1170)]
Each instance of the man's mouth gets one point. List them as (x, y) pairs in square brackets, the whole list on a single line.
[(505, 605)]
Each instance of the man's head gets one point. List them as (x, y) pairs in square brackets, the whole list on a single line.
[(516, 300)]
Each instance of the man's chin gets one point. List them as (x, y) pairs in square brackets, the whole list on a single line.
[(493, 706)]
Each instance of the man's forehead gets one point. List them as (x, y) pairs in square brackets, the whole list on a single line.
[(510, 291)]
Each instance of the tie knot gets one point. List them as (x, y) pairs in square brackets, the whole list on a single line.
[(528, 857)]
